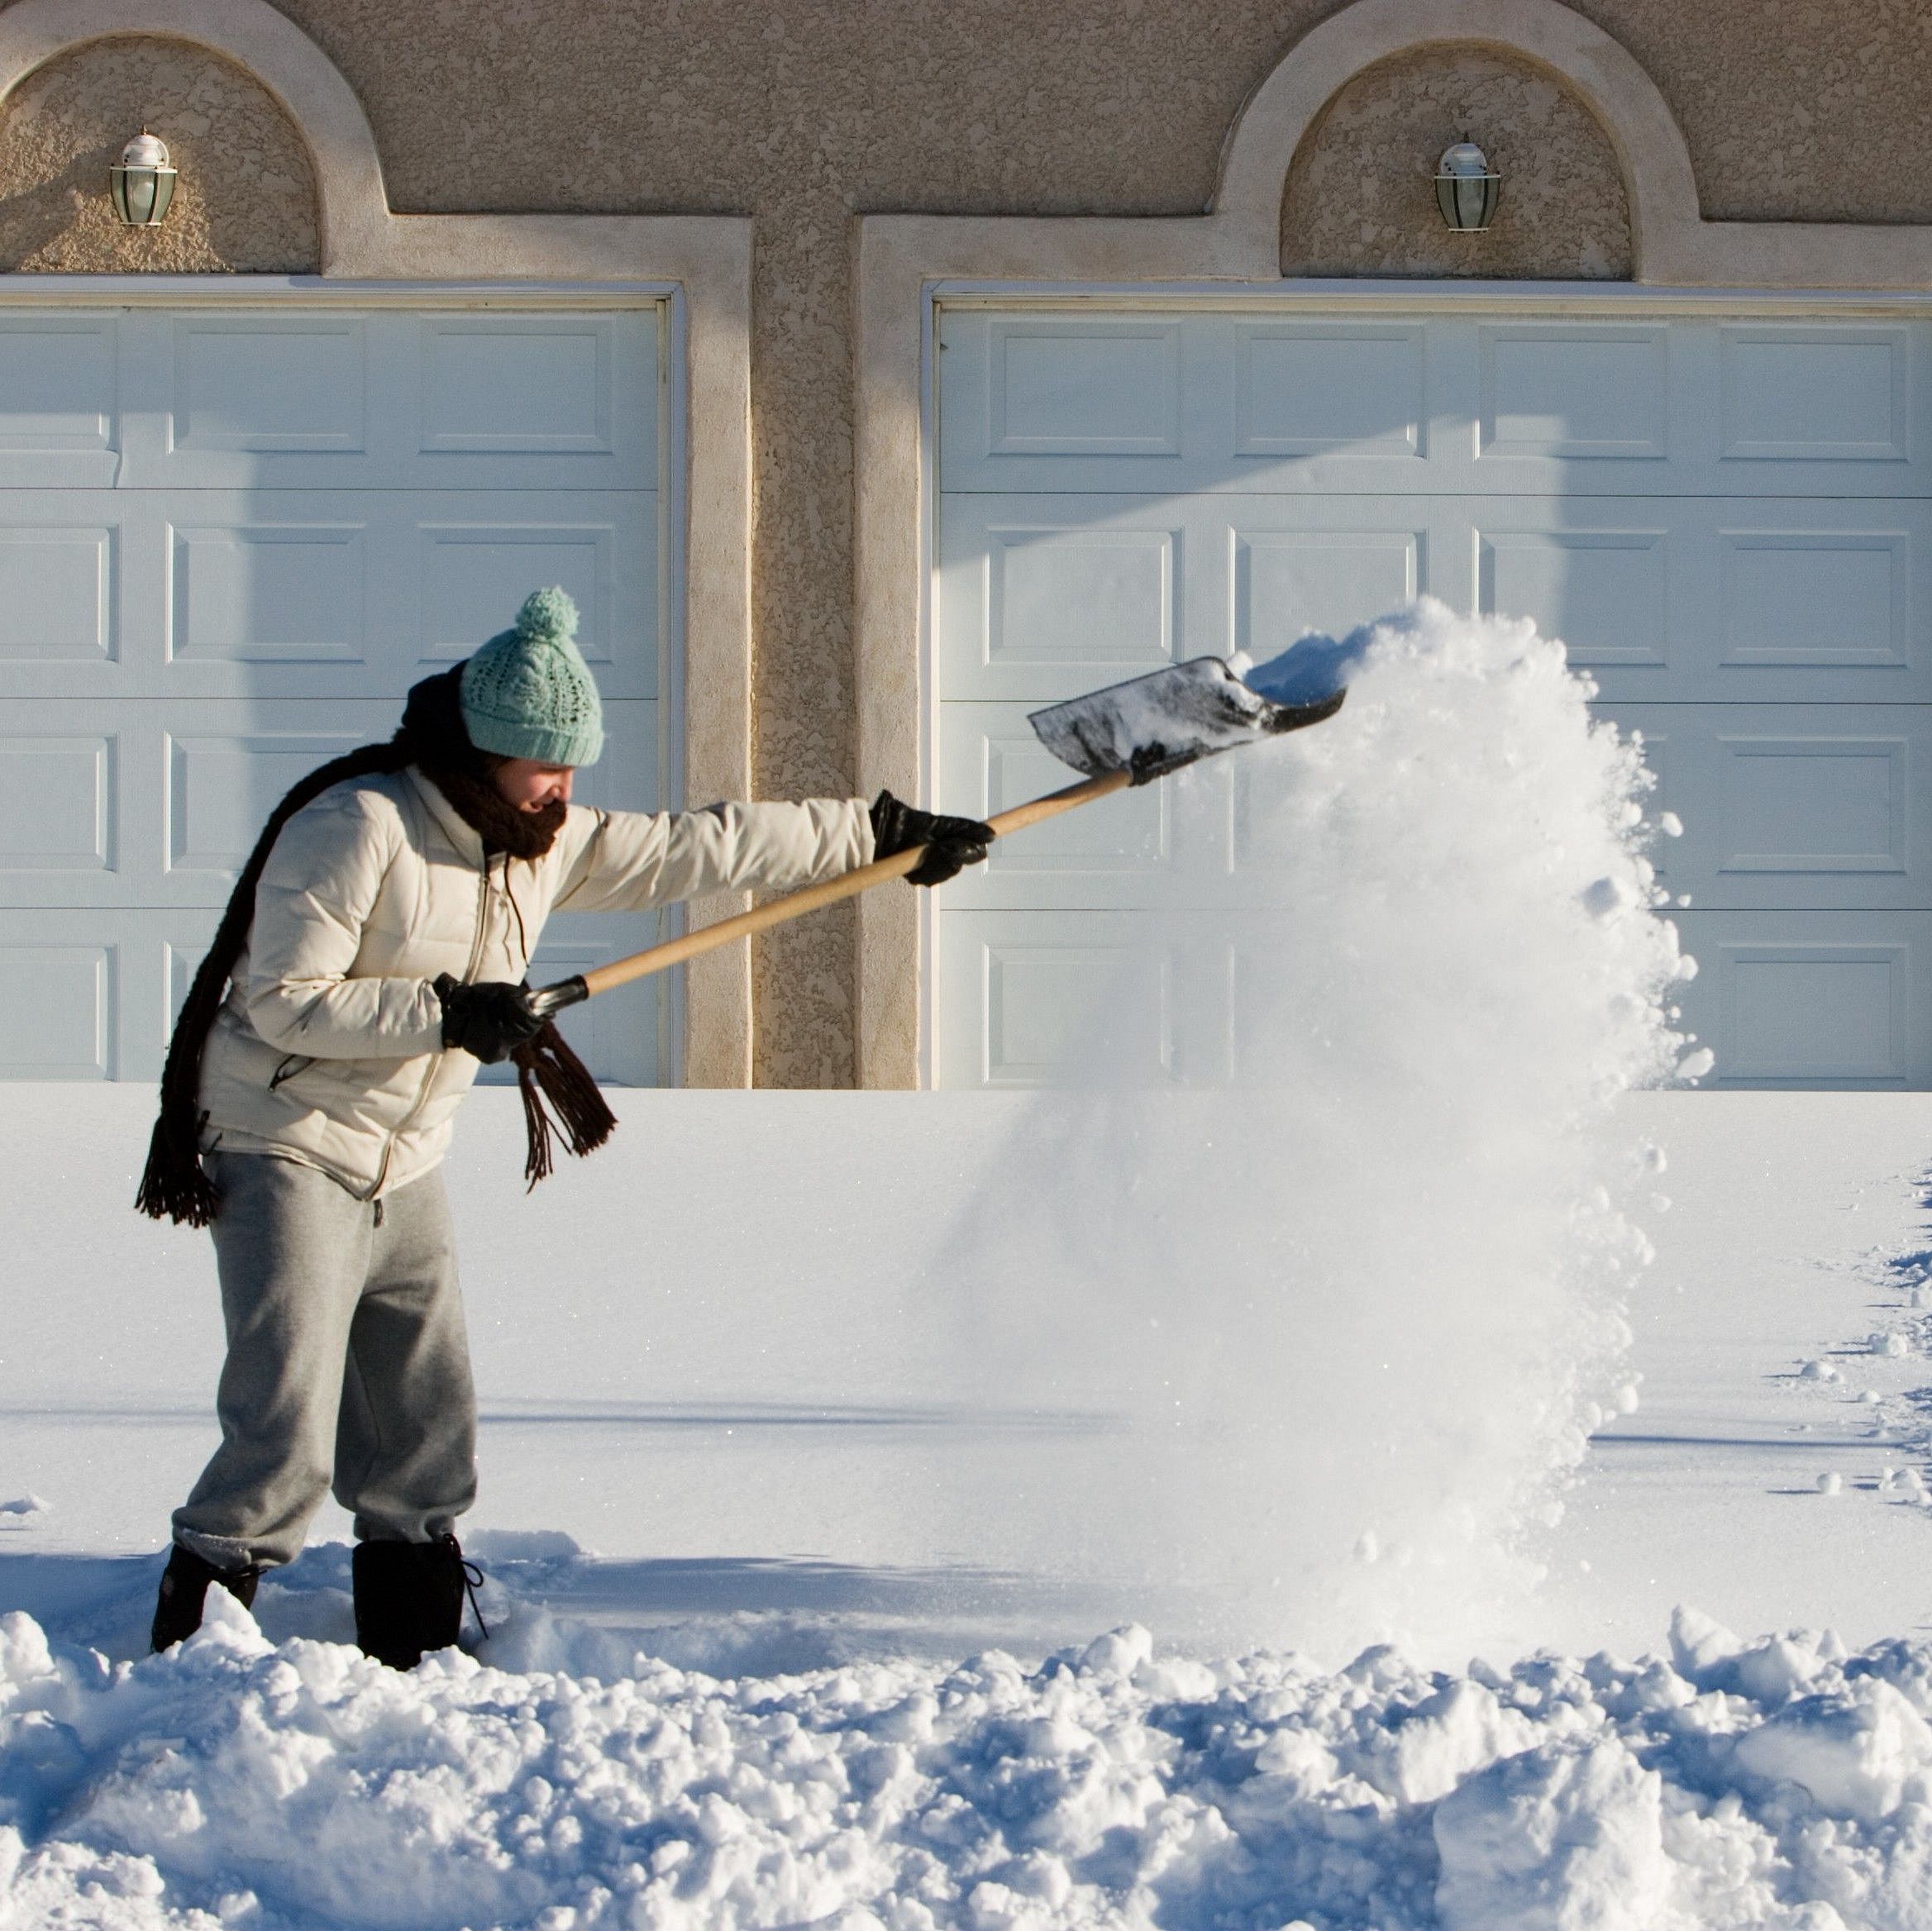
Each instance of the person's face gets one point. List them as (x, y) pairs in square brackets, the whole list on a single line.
[(531, 786)]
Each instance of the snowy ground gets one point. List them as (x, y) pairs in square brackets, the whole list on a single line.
[(744, 1410), (697, 1360)]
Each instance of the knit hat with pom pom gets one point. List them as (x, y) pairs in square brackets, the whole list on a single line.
[(528, 692)]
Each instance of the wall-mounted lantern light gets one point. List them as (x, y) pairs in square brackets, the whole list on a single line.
[(1466, 188), (142, 182)]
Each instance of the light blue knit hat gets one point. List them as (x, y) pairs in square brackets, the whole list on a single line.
[(528, 692)]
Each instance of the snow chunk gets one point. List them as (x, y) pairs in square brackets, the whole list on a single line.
[(1700, 1645), (1777, 1669), (1859, 1752), (1459, 1730), (1118, 1653), (1556, 1839)]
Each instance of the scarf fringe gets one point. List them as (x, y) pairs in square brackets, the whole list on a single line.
[(559, 1097), (174, 1184)]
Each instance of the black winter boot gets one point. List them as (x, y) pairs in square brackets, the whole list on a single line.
[(409, 1598), (184, 1588)]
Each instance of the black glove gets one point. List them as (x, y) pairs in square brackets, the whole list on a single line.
[(490, 1020), (951, 844)]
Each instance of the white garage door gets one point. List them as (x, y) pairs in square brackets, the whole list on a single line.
[(229, 543), (1727, 519)]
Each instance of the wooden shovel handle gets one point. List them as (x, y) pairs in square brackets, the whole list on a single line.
[(796, 904)]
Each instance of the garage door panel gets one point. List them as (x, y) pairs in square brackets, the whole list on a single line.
[(1816, 600), (1056, 595), (384, 400), (1042, 598), (57, 1002), (1554, 392), (163, 810), (229, 594), (1819, 599), (1799, 393), (1606, 591), (87, 997), (1313, 388), (60, 374), (258, 385), (1058, 995), (1792, 805), (538, 387), (222, 785), (269, 593), (57, 594), (472, 575), (990, 760), (1245, 402), (1288, 582), (58, 801), (1811, 998)]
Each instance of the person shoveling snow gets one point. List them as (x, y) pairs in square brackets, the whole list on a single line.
[(370, 961)]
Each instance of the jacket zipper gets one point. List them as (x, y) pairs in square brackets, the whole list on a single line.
[(435, 1059)]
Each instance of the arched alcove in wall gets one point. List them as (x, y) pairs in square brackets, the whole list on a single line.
[(261, 58), (1384, 60), (246, 197), (1360, 199)]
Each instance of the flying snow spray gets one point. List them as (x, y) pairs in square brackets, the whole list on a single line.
[(1354, 1309)]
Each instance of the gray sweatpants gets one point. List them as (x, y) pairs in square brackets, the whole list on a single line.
[(347, 1365)]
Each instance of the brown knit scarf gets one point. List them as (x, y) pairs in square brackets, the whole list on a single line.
[(175, 1186)]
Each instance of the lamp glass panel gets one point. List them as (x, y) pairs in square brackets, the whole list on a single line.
[(141, 194)]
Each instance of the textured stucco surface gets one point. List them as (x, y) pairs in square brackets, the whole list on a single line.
[(1360, 195), (803, 112), (244, 200)]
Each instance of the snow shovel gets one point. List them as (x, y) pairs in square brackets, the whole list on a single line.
[(1128, 734)]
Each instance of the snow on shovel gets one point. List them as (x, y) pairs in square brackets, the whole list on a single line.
[(1127, 734)]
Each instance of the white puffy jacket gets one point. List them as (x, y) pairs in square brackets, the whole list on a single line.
[(328, 1049)]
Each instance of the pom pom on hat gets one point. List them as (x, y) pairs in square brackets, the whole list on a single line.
[(528, 692), (548, 616)]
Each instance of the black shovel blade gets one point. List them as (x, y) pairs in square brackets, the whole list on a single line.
[(1152, 725)]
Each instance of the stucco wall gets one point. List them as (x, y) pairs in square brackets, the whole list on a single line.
[(805, 112), (246, 196), (1361, 193)]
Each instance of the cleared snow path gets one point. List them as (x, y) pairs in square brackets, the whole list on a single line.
[(736, 1408)]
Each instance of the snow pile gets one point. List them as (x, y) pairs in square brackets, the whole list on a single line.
[(1360, 1305), (1782, 1784)]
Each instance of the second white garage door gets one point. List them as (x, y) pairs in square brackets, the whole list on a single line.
[(229, 543), (1726, 518)]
